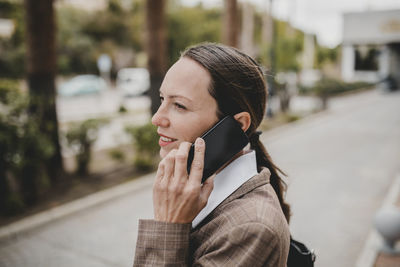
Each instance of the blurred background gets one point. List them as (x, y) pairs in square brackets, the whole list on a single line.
[(79, 80)]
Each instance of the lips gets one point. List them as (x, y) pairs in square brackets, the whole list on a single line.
[(165, 140)]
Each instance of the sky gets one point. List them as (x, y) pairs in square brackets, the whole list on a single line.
[(321, 17)]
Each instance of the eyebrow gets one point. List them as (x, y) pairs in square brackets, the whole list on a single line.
[(177, 96)]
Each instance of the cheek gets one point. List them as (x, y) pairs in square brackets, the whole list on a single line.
[(187, 129), (193, 131), (199, 128)]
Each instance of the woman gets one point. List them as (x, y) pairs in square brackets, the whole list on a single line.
[(237, 217)]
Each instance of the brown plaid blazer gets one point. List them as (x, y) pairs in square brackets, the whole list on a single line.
[(246, 229)]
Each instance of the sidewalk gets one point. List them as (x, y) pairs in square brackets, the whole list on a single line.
[(99, 230), (31, 223), (372, 256), (382, 259)]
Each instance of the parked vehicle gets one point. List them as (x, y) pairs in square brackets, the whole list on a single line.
[(133, 81), (83, 85)]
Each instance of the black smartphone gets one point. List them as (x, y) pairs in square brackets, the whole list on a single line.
[(223, 141)]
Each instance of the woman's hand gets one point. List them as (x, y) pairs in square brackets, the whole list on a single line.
[(177, 196)]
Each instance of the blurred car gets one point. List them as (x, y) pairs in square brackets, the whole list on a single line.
[(83, 85), (133, 81)]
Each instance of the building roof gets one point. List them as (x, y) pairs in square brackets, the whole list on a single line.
[(371, 27)]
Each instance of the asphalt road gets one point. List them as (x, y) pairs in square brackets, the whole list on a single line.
[(340, 164)]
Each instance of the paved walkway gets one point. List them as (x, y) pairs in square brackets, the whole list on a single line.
[(341, 164)]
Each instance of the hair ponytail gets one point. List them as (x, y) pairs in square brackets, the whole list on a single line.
[(264, 160)]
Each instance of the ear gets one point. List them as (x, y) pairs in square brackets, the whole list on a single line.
[(244, 119)]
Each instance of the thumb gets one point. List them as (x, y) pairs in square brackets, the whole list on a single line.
[(206, 189)]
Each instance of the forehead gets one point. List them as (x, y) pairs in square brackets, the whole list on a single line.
[(186, 78)]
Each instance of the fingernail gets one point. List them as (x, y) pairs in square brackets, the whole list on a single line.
[(199, 141)]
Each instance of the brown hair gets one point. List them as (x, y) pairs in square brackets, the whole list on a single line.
[(238, 85)]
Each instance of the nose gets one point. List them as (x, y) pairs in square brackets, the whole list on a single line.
[(160, 118)]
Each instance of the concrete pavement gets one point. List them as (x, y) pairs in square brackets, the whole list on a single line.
[(340, 164)]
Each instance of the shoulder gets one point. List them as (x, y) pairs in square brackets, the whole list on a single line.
[(251, 224), (258, 211), (259, 207)]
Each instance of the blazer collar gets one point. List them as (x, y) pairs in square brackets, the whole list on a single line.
[(261, 179), (232, 182), (256, 181)]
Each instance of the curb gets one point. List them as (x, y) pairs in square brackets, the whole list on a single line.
[(13, 230), (371, 248)]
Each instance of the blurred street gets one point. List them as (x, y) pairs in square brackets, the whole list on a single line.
[(340, 166), (340, 163), (78, 85), (79, 108), (104, 105)]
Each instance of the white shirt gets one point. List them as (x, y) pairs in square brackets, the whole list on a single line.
[(227, 181)]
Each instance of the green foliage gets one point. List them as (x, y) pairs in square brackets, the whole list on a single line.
[(108, 25), (122, 109), (325, 55), (117, 155), (189, 26), (292, 117), (12, 60), (136, 18), (83, 36), (23, 151), (145, 141), (6, 8), (329, 87), (75, 49), (80, 138), (287, 48)]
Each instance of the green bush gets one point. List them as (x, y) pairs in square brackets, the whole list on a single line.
[(80, 138), (117, 155), (292, 117), (145, 141), (327, 87), (330, 87), (13, 49), (122, 109), (23, 151)]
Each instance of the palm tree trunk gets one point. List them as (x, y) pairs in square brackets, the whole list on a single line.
[(156, 48), (41, 69), (231, 23)]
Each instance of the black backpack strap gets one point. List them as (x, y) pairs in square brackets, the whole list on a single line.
[(300, 255)]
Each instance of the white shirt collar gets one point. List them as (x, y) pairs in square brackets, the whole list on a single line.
[(227, 181)]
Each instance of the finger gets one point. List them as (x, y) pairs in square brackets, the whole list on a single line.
[(196, 170), (206, 189), (180, 172), (159, 177), (169, 165), (160, 172)]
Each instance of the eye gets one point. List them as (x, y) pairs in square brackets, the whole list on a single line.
[(179, 106), (161, 99)]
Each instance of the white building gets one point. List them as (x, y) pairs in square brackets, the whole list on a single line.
[(371, 46)]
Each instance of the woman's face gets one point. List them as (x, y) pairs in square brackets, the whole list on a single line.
[(187, 109)]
